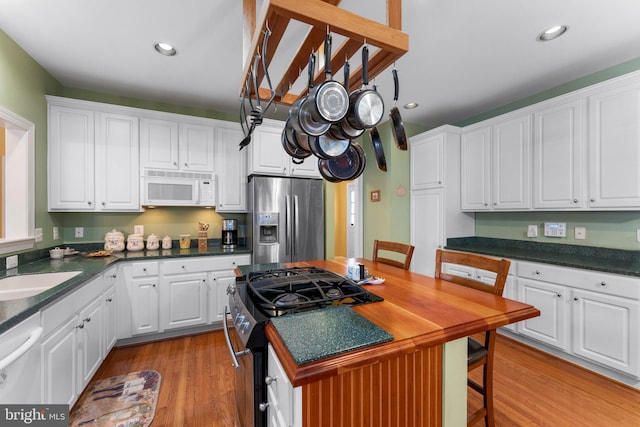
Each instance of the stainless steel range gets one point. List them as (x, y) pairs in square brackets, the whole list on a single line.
[(270, 293)]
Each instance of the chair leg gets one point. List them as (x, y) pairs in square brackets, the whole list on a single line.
[(487, 385)]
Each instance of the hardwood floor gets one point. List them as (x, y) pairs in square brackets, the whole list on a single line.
[(531, 387)]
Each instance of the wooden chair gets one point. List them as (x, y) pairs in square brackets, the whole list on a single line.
[(400, 248), (479, 354)]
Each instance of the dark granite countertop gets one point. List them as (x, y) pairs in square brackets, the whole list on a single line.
[(617, 261), (318, 334), (13, 312)]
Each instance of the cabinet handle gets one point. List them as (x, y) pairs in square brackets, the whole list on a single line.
[(495, 203), (593, 200), (263, 406), (186, 164), (603, 284), (439, 182), (537, 272), (175, 163), (183, 267), (114, 276), (104, 204), (486, 204), (109, 299), (154, 285), (559, 295), (80, 326), (89, 203), (268, 380), (144, 269), (576, 299), (88, 319), (575, 200)]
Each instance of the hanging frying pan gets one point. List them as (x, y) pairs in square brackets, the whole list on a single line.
[(290, 142), (302, 119), (329, 101), (396, 120), (348, 166), (377, 149), (327, 147), (366, 106), (324, 171), (343, 129)]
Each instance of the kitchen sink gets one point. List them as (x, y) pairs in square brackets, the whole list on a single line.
[(28, 285)]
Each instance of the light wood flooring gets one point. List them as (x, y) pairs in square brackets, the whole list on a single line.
[(531, 387)]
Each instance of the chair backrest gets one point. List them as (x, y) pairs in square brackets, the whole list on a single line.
[(400, 248), (496, 265)]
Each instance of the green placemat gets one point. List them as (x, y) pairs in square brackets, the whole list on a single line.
[(323, 333)]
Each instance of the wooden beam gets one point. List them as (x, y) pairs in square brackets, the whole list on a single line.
[(248, 26), (394, 14)]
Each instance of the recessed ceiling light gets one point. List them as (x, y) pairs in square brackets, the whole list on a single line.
[(552, 33), (410, 105), (165, 49)]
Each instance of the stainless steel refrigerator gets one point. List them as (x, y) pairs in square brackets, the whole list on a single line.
[(287, 219)]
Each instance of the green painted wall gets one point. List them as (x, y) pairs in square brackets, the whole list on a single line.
[(604, 229)]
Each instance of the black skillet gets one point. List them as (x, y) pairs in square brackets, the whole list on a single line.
[(346, 167), (377, 149), (396, 120)]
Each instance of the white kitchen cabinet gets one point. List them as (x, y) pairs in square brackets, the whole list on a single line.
[(284, 401), (110, 319), (614, 148), (59, 365), (605, 330), (158, 143), (138, 301), (427, 161), (93, 158), (267, 157), (21, 379), (197, 148), (435, 213), (183, 301), (90, 331), (495, 164), (232, 170), (552, 326), (559, 155), (218, 299)]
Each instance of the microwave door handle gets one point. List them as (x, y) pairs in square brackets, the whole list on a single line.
[(296, 224), (287, 217)]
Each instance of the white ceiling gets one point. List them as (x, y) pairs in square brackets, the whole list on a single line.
[(466, 56)]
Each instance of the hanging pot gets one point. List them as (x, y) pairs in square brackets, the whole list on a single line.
[(378, 149), (302, 119), (343, 129), (290, 143), (366, 106), (327, 147), (348, 166), (397, 127), (324, 171)]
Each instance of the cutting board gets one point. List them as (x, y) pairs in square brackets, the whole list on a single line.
[(318, 334)]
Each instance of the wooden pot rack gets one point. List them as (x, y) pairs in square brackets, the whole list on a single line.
[(321, 15)]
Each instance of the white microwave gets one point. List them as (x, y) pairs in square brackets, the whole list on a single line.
[(167, 188)]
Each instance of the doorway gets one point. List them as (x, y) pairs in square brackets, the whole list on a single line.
[(354, 218)]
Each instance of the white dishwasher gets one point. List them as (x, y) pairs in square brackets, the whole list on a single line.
[(20, 367)]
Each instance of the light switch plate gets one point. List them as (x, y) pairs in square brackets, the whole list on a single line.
[(532, 230), (138, 229), (38, 235), (12, 261), (56, 233), (580, 233), (555, 229), (79, 232)]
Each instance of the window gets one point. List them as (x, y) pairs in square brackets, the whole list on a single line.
[(17, 176)]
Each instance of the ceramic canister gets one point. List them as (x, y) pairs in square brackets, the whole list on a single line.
[(166, 242), (153, 242), (135, 242), (114, 241)]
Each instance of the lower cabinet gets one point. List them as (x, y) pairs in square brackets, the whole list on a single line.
[(59, 365), (218, 284), (284, 402), (183, 301)]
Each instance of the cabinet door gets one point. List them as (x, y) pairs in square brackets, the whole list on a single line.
[(475, 175), (427, 229), (117, 164), (510, 170), (110, 320), (558, 157), (183, 301), (427, 162), (218, 284), (614, 148), (144, 305), (71, 156), (552, 326), (197, 148), (90, 341), (267, 155), (59, 365), (605, 330), (232, 171), (307, 168), (158, 144)]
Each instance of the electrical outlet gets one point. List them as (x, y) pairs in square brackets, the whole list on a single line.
[(138, 229), (580, 233), (79, 232), (532, 230), (12, 261), (56, 233), (38, 235)]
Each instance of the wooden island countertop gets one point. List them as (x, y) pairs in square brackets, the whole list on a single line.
[(419, 311)]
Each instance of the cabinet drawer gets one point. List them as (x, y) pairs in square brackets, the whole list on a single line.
[(280, 389), (203, 264), (144, 269), (606, 283), (56, 313)]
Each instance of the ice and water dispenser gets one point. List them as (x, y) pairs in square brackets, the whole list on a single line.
[(268, 227)]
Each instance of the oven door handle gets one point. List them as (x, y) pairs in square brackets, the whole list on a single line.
[(232, 352)]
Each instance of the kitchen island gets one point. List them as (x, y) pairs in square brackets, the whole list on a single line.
[(416, 379)]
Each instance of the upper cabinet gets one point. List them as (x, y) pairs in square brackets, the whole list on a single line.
[(267, 157), (495, 163), (614, 148), (427, 161), (232, 169), (559, 147), (93, 159)]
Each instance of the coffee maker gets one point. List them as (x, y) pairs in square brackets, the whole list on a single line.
[(229, 233)]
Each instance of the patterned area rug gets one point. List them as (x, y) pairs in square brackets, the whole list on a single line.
[(123, 401)]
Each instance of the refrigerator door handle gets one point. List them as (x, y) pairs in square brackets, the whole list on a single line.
[(296, 221), (287, 217)]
